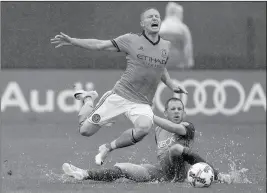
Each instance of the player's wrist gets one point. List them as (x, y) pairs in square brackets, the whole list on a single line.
[(73, 41)]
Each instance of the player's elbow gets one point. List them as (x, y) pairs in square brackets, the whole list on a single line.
[(179, 129)]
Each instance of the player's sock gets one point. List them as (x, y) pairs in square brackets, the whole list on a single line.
[(107, 175), (127, 138), (193, 158)]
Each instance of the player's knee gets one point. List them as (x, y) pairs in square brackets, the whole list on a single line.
[(139, 134), (176, 150), (144, 123), (88, 129)]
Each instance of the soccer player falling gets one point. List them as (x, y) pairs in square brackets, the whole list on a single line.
[(174, 138), (147, 55)]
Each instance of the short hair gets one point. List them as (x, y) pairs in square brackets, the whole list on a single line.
[(145, 10), (172, 99)]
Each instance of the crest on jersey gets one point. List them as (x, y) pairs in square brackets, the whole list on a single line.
[(96, 118), (164, 53)]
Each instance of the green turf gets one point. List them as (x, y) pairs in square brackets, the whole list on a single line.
[(34, 152)]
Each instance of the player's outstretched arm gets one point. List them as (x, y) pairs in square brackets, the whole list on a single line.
[(90, 44), (166, 79), (167, 125)]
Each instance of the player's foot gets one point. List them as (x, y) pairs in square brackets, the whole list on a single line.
[(75, 172), (101, 156), (80, 94)]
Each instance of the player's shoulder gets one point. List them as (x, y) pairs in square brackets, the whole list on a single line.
[(137, 34), (164, 41), (134, 34)]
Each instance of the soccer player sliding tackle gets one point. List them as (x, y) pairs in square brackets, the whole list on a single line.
[(174, 138), (132, 95)]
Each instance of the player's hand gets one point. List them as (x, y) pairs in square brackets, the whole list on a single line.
[(179, 90), (184, 124), (61, 40)]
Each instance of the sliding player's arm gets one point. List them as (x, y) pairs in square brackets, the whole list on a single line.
[(166, 79), (183, 128), (90, 44), (170, 126)]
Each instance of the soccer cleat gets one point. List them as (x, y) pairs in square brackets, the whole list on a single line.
[(101, 156), (75, 172), (82, 94)]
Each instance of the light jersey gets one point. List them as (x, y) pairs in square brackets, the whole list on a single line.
[(165, 139), (145, 64)]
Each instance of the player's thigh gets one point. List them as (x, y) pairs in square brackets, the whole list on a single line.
[(134, 172), (88, 129), (166, 165), (141, 115), (155, 172), (107, 109)]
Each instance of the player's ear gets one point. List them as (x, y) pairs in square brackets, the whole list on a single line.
[(142, 24)]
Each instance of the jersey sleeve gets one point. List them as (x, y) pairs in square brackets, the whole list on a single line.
[(190, 131), (123, 42)]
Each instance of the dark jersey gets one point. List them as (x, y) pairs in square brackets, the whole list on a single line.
[(166, 139)]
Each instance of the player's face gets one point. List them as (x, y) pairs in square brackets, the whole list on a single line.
[(151, 21), (175, 111)]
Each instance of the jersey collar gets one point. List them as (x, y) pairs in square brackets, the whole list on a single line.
[(154, 43)]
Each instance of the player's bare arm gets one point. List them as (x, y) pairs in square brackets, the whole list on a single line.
[(170, 126), (90, 44), (166, 79)]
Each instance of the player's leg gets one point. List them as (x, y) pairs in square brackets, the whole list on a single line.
[(168, 168), (141, 116), (87, 98), (140, 173), (104, 174), (108, 107)]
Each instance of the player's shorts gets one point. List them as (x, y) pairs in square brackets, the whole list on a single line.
[(112, 105), (170, 170)]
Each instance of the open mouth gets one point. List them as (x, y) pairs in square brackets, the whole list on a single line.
[(155, 25), (177, 117)]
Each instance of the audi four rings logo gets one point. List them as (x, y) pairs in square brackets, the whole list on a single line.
[(256, 97)]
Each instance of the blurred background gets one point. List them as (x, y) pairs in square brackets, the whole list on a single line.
[(225, 34)]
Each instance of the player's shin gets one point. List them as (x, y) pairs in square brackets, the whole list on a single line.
[(106, 175), (128, 138)]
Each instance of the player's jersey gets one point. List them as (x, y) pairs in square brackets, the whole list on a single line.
[(165, 139), (145, 64)]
